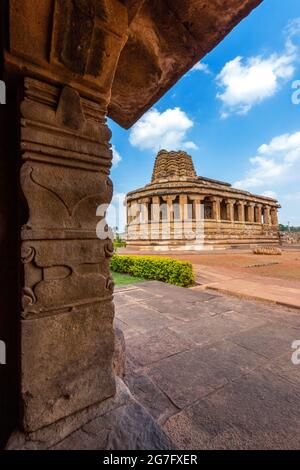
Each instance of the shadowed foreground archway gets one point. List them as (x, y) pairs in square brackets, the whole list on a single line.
[(67, 65)]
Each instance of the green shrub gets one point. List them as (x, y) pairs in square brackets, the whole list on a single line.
[(179, 273)]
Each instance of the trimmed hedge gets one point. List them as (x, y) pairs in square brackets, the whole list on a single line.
[(179, 273)]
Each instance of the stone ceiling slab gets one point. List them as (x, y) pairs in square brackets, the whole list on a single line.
[(166, 38)]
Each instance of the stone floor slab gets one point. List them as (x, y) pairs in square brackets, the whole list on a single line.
[(148, 348), (233, 387), (270, 340), (261, 411)]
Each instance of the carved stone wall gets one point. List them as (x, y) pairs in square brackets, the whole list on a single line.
[(67, 311)]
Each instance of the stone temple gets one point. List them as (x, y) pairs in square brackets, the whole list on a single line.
[(180, 210)]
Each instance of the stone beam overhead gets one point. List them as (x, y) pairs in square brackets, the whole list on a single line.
[(166, 38), (141, 47)]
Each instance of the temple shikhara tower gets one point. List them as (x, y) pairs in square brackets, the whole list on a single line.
[(180, 210)]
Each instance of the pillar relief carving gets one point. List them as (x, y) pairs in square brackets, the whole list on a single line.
[(241, 211), (216, 208), (230, 209), (67, 310), (267, 216)]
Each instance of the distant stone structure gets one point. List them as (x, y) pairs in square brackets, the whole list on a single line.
[(290, 238), (180, 210)]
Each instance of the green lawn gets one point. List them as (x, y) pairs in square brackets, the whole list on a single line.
[(123, 279)]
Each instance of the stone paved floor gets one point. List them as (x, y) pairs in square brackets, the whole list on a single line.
[(214, 370)]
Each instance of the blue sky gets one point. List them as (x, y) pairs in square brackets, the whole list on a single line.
[(233, 113)]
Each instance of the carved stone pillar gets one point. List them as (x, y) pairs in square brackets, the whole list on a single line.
[(167, 224), (230, 210), (241, 211), (251, 212), (267, 217), (155, 219), (66, 314), (183, 209), (144, 218), (274, 217), (259, 213), (197, 201), (170, 210), (67, 335), (216, 208), (128, 213), (198, 221)]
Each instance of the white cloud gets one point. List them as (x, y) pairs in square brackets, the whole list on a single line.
[(116, 156), (292, 196), (276, 163), (167, 130), (245, 82), (293, 28), (275, 172), (201, 67), (271, 194)]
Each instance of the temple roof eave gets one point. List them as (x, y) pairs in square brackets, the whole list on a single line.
[(187, 187)]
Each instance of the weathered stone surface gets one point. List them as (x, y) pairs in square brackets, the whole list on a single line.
[(208, 330), (261, 411), (150, 396), (235, 393), (188, 376), (118, 423), (66, 363), (85, 39), (129, 427), (142, 319), (119, 357), (59, 430), (67, 336), (270, 340), (148, 348)]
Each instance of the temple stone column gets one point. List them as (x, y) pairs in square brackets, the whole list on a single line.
[(166, 226), (251, 212), (197, 201), (198, 222), (241, 211), (216, 208), (155, 219), (66, 308), (144, 205), (274, 217), (67, 291), (259, 213), (170, 211), (267, 216), (179, 226), (183, 209), (134, 218), (230, 210), (128, 209)]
